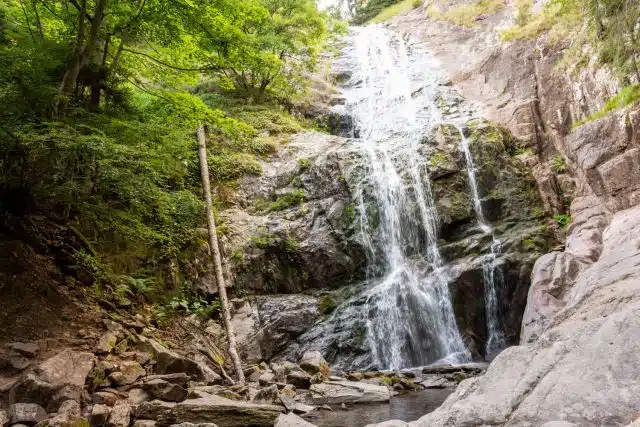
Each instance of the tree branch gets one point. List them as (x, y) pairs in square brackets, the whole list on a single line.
[(169, 65)]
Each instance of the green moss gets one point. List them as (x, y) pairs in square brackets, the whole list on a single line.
[(326, 304), (439, 159), (265, 240), (350, 212), (291, 245), (304, 164)]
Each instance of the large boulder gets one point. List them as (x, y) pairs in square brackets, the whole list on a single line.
[(291, 420), (26, 413), (264, 325), (583, 367), (313, 362), (336, 392), (59, 378), (29, 350), (163, 390), (209, 409), (169, 362)]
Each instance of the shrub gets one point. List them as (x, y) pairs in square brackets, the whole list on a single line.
[(563, 220), (558, 164)]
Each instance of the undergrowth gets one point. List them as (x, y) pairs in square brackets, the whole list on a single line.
[(466, 15)]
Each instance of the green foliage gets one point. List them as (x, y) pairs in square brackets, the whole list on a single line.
[(563, 220), (365, 11), (627, 96), (291, 245), (109, 146), (265, 240), (304, 164), (237, 256), (467, 15), (400, 8), (558, 165), (186, 302), (282, 202), (350, 212)]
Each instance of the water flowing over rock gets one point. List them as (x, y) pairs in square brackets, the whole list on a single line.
[(414, 203)]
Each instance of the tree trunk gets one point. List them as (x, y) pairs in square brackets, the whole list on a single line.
[(215, 254)]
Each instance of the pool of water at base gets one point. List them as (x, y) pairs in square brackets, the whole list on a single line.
[(405, 407)]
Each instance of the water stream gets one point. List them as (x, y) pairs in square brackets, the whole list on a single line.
[(491, 274)]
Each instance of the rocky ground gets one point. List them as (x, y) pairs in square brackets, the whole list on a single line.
[(127, 377)]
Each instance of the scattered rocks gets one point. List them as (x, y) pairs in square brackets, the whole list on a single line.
[(291, 420), (179, 378), (266, 378), (68, 415), (104, 398), (266, 395), (26, 413), (169, 362), (333, 392), (29, 350), (144, 423), (294, 406)]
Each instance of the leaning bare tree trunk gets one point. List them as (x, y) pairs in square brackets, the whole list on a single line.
[(215, 254)]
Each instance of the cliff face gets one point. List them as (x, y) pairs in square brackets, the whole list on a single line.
[(577, 355)]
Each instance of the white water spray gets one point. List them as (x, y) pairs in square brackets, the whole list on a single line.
[(491, 275)]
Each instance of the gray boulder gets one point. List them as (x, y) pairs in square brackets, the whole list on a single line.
[(4, 418), (163, 390), (313, 362), (291, 420), (299, 378), (169, 362), (57, 379), (106, 343), (68, 415), (336, 392), (120, 415), (29, 350), (26, 413), (99, 415), (128, 373)]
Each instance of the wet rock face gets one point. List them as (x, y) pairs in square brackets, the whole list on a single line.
[(510, 203), (294, 226)]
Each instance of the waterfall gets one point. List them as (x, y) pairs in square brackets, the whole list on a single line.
[(491, 275), (410, 319)]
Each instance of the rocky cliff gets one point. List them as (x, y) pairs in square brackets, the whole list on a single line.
[(577, 355)]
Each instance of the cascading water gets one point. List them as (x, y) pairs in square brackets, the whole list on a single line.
[(402, 315), (491, 274), (410, 317)]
